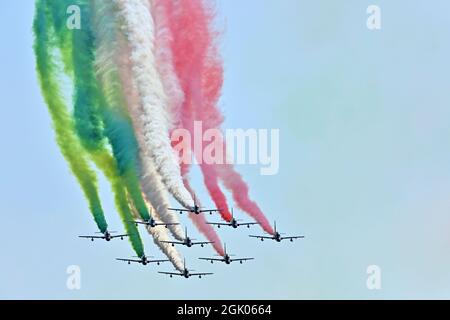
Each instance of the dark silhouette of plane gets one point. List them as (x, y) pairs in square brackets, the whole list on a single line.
[(186, 273), (152, 223), (226, 258), (187, 242), (195, 209), (277, 236), (107, 235), (234, 223), (144, 260)]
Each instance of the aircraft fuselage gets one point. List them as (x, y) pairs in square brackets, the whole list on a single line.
[(277, 237), (107, 236), (196, 209)]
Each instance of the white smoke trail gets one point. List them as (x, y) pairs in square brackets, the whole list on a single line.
[(155, 192), (160, 234), (113, 55), (151, 184), (164, 60), (139, 29)]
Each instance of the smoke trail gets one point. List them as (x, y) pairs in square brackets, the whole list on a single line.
[(200, 65), (199, 220), (150, 180), (57, 10), (164, 60), (183, 54), (155, 191), (172, 86), (160, 234), (109, 168), (139, 29), (212, 82), (191, 39), (116, 120), (212, 118), (48, 70), (233, 181), (87, 100)]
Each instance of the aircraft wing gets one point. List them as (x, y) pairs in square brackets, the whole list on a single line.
[(129, 260), (242, 259), (166, 224), (92, 237), (247, 223), (200, 274), (157, 261), (171, 273), (201, 243), (172, 242), (218, 223), (261, 237), (119, 236), (183, 210), (210, 210), (140, 222), (291, 238), (211, 259)]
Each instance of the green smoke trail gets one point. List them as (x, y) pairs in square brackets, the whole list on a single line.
[(118, 127), (109, 167), (66, 138), (63, 35), (87, 101), (78, 56)]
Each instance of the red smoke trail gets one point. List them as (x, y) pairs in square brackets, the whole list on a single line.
[(200, 71), (181, 112), (199, 220), (190, 41), (212, 118), (233, 181)]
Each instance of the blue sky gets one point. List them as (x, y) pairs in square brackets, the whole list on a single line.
[(364, 161)]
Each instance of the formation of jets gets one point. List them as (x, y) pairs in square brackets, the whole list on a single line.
[(189, 242)]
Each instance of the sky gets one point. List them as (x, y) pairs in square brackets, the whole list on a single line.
[(364, 162)]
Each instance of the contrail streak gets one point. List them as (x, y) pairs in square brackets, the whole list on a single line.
[(139, 29), (48, 73), (150, 180), (87, 103), (164, 60), (86, 96), (199, 220), (191, 40), (118, 127), (200, 70), (160, 234)]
